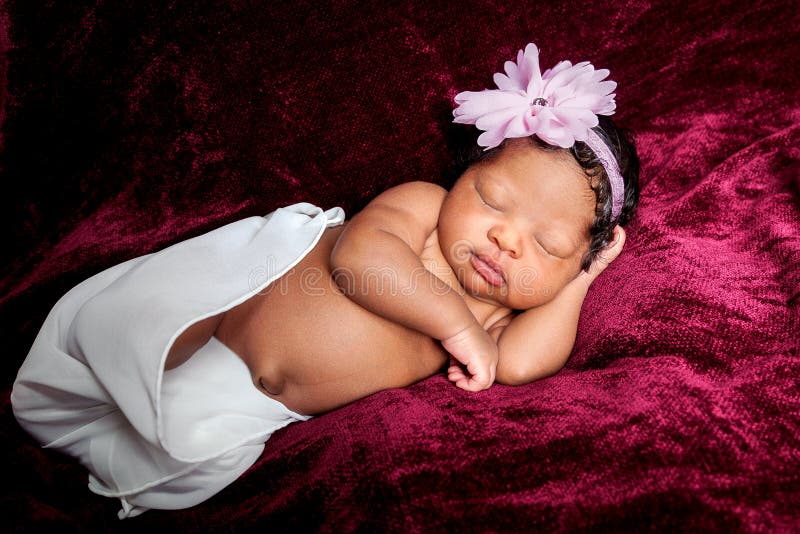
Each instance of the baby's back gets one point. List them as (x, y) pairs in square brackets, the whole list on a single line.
[(313, 349)]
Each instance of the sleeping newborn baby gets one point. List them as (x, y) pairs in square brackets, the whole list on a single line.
[(145, 372), (421, 265)]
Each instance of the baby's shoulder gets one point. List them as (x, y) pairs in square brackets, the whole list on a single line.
[(424, 187), (410, 203), (426, 199), (419, 191)]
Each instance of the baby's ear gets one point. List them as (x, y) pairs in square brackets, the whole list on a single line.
[(608, 254)]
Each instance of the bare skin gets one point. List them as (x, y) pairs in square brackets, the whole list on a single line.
[(315, 341), (270, 332), (349, 354)]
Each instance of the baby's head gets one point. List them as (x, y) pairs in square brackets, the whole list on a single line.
[(622, 145), (540, 202)]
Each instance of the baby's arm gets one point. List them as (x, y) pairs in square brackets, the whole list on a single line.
[(376, 263), (537, 342)]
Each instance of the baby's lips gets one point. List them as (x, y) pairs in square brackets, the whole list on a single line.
[(489, 270)]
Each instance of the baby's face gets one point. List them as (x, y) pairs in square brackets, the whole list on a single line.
[(514, 228)]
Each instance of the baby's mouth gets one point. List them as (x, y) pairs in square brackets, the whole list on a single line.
[(489, 270)]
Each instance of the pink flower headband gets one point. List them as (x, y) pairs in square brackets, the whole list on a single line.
[(559, 107)]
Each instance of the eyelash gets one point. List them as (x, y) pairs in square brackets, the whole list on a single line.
[(544, 249), (489, 203)]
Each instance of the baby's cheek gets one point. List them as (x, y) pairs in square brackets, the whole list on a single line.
[(540, 286), (526, 283), (525, 294)]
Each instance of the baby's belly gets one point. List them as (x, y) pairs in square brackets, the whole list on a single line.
[(313, 349)]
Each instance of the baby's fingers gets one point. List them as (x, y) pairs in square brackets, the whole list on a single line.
[(482, 378), (457, 376), (455, 372), (472, 384)]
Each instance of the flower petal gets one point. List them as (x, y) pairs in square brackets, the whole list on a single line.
[(575, 95), (498, 118), (532, 80), (506, 83), (472, 105), (565, 77), (518, 126), (561, 65), (491, 139), (549, 130), (576, 120)]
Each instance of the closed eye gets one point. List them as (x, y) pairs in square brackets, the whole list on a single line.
[(488, 201), (546, 250)]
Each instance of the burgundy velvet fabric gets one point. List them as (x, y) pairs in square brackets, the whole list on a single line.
[(128, 126)]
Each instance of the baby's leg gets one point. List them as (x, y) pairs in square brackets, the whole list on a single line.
[(191, 340)]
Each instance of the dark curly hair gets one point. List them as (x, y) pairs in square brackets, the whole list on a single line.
[(623, 146)]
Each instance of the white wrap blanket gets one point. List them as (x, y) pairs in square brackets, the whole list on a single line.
[(93, 384)]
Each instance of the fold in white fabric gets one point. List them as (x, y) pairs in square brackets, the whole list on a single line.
[(93, 384)]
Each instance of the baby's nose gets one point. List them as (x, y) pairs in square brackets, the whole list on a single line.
[(506, 240)]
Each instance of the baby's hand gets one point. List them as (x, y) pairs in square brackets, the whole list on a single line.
[(477, 351)]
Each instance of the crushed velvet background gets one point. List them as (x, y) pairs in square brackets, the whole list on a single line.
[(128, 126)]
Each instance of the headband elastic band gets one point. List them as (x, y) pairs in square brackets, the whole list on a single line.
[(609, 163)]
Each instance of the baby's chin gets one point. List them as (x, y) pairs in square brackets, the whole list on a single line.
[(519, 301), (481, 291)]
